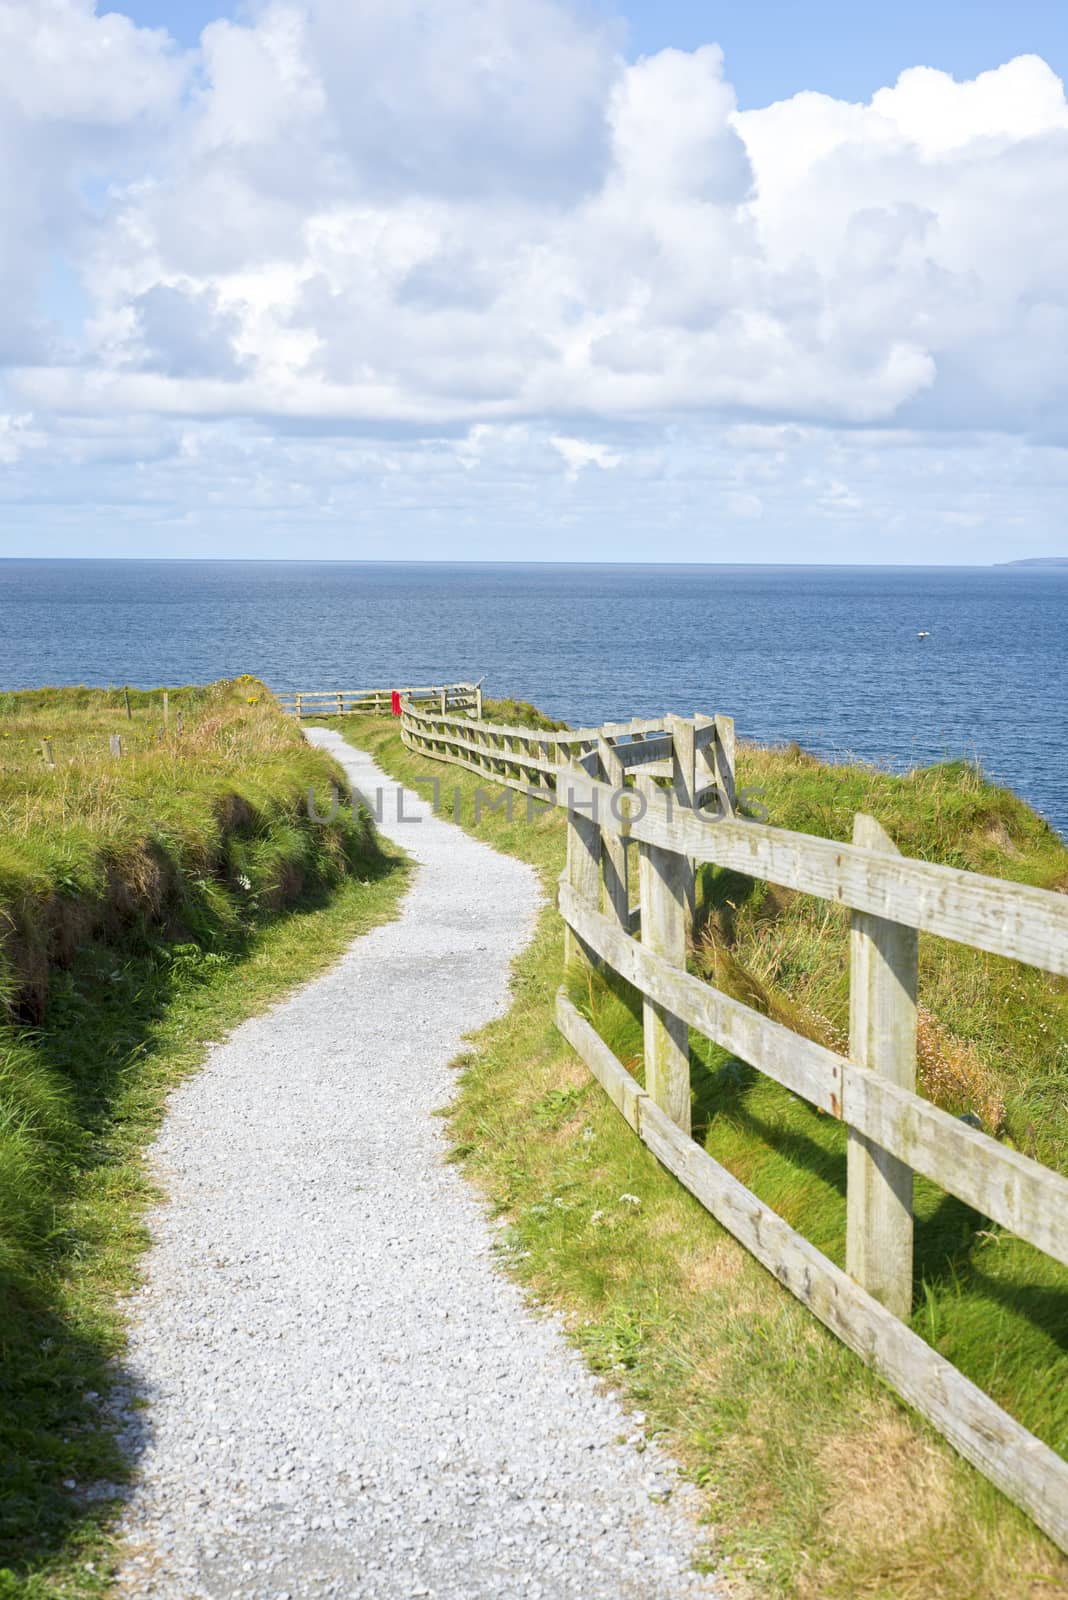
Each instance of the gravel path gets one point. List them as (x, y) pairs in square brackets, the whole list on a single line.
[(346, 1396)]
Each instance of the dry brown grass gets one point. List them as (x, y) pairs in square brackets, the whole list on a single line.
[(952, 1073), (717, 1265), (890, 1493), (866, 1508)]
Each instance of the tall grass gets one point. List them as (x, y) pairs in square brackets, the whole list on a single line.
[(167, 835), (146, 904), (818, 1482)]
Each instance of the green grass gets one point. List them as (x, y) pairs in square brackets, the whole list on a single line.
[(194, 893), (519, 714), (818, 1482)]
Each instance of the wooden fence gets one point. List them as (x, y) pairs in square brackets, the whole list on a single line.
[(645, 786), (302, 703)]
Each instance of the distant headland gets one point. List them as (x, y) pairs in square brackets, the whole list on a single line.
[(1037, 561)]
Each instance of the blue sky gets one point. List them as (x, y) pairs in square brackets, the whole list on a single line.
[(534, 277), (776, 47), (849, 48)]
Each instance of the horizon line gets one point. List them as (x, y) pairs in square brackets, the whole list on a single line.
[(478, 561)]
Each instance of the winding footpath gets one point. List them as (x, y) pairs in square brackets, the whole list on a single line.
[(345, 1396)]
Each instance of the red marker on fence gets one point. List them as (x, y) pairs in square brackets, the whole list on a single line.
[(396, 703)]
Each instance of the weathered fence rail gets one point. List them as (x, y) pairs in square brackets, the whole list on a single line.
[(645, 786), (520, 757), (302, 703)]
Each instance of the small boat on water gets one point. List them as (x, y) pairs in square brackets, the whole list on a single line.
[(923, 633)]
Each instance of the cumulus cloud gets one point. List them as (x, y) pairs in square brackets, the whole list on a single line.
[(185, 333), (82, 101), (464, 97), (477, 215), (672, 134), (496, 215)]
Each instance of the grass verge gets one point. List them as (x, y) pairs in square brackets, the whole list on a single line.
[(190, 892), (819, 1483)]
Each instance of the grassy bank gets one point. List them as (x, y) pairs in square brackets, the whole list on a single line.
[(819, 1483), (147, 904)]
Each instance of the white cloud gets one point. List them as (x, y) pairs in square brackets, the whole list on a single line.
[(474, 223), (670, 116), (838, 496), (82, 100), (1022, 100), (62, 65), (579, 453)]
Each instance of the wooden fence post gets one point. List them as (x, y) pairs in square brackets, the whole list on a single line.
[(126, 698), (340, 707), (46, 751), (178, 724), (299, 712), (684, 788), (478, 702), (583, 867), (166, 708), (882, 1037), (723, 758), (716, 757), (662, 879), (613, 845), (115, 743)]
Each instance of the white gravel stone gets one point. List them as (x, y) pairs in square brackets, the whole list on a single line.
[(345, 1395)]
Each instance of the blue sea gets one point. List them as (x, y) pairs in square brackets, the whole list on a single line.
[(828, 656)]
